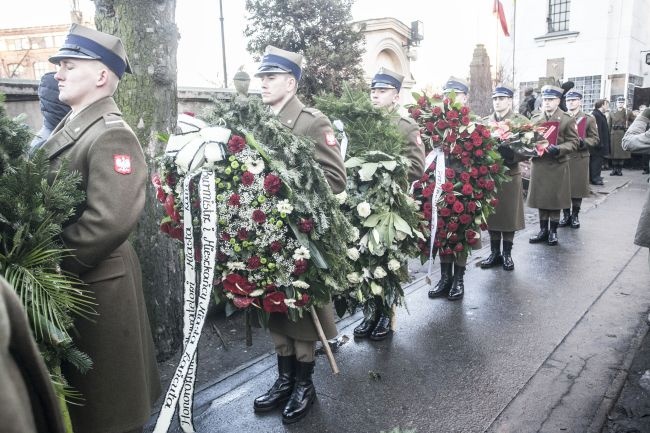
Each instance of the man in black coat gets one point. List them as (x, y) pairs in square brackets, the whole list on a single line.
[(597, 153)]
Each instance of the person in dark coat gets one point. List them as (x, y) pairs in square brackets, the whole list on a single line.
[(509, 215), (550, 182), (295, 342), (94, 140), (597, 153), (579, 160), (565, 89), (527, 105), (27, 400), (52, 109)]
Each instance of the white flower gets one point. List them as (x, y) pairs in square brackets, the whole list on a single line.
[(341, 197), (354, 278), (379, 272), (236, 266), (363, 209), (355, 234), (291, 303), (393, 265), (366, 273), (353, 254), (300, 284), (301, 253), (255, 166), (284, 207), (376, 289), (400, 236)]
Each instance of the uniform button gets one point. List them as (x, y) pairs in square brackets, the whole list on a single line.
[(289, 121)]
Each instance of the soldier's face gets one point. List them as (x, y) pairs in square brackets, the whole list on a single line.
[(277, 88), (549, 105), (620, 105), (501, 103), (573, 104), (79, 81), (381, 97)]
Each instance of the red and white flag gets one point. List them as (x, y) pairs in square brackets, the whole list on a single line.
[(498, 9)]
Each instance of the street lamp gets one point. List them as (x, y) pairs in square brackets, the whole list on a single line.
[(417, 34)]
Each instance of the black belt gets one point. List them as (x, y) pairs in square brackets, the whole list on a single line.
[(622, 128)]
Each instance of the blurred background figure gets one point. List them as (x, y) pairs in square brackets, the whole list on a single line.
[(52, 109)]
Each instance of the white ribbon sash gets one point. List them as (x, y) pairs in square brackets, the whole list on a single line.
[(195, 308), (438, 156)]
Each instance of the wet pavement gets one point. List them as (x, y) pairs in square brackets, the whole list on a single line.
[(545, 348)]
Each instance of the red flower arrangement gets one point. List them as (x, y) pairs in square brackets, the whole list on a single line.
[(473, 171)]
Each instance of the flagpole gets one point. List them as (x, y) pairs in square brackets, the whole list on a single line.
[(514, 38)]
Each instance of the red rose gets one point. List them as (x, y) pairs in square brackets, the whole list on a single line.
[(454, 123), (465, 120), (467, 189), (236, 144), (303, 300), (430, 126), (468, 146), (465, 161), (437, 111), (441, 124), (494, 202), (477, 141), (457, 150), (478, 195), (446, 252), (300, 267), (449, 173), (452, 114), (464, 218), (427, 207), (483, 226), (253, 263), (258, 216), (458, 207), (247, 178), (444, 212), (464, 177), (473, 172), (242, 302), (441, 234), (485, 132), (440, 224), (450, 198), (464, 111), (422, 101), (234, 200), (274, 303), (448, 187), (494, 168), (481, 183), (415, 113), (489, 185), (276, 246), (425, 175), (483, 170), (242, 234), (451, 138), (428, 191), (453, 238), (478, 153), (452, 226), (237, 284), (471, 207), (470, 234), (427, 214), (437, 244), (472, 241), (306, 225), (272, 184)]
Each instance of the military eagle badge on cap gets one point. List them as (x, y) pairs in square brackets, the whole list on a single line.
[(122, 164), (330, 139)]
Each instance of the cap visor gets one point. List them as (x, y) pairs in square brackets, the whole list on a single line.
[(264, 70), (382, 86), (501, 94), (65, 54)]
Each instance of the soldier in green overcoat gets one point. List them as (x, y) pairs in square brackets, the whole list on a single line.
[(579, 160), (294, 342), (619, 121), (93, 139), (509, 215), (550, 181)]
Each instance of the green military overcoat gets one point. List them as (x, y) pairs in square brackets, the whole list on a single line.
[(509, 215), (619, 122), (27, 400), (124, 383), (415, 148), (309, 122), (579, 160), (550, 180), (637, 139)]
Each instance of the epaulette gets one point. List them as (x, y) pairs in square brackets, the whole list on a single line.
[(313, 111), (566, 114), (113, 120)]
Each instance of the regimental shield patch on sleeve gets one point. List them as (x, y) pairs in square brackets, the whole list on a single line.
[(330, 139), (122, 164)]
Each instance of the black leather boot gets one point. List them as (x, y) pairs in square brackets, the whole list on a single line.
[(303, 394), (508, 264), (443, 286), (619, 171), (495, 255), (552, 234), (543, 233), (382, 329), (458, 288), (281, 389), (369, 321), (565, 220), (575, 221)]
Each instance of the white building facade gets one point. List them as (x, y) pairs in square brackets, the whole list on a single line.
[(600, 45)]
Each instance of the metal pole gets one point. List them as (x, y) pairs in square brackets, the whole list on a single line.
[(223, 46), (514, 30)]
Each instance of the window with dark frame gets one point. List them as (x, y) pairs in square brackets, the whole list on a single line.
[(558, 15)]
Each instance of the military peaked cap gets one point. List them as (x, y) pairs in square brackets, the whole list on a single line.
[(457, 85), (279, 61), (387, 79)]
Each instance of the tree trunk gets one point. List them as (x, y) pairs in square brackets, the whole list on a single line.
[(147, 99)]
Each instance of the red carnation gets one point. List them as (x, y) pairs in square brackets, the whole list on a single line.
[(446, 252), (465, 161), (473, 172), (494, 168), (430, 126), (450, 198), (458, 207), (452, 114), (489, 185), (422, 101), (272, 184), (454, 123), (276, 246), (242, 234), (467, 189), (464, 218), (451, 138), (306, 225), (253, 262), (237, 284), (457, 150), (464, 111), (236, 144), (464, 177), (468, 146), (485, 133), (447, 187), (453, 238), (441, 124), (478, 153), (427, 207), (300, 267), (234, 200), (274, 303), (258, 216), (483, 170), (415, 113), (470, 234), (247, 178), (428, 191), (458, 248), (444, 212), (477, 141), (449, 173), (465, 120), (437, 111), (471, 207), (452, 226)]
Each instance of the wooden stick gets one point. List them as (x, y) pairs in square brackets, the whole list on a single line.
[(323, 340)]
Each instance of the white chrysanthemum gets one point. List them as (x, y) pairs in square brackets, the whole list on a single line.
[(284, 206), (379, 272), (236, 266), (255, 166), (341, 197), (355, 234), (353, 254), (354, 278), (363, 209), (300, 284), (301, 253), (393, 265)]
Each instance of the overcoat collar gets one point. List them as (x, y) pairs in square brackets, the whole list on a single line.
[(290, 112)]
